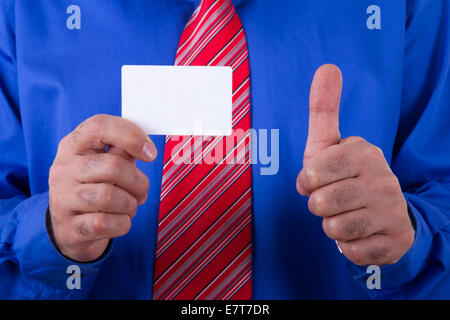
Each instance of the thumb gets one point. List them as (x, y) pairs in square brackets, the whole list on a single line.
[(324, 100)]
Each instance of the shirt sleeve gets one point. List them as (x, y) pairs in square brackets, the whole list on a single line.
[(30, 266), (422, 157)]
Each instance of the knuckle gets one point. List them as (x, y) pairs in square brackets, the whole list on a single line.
[(90, 162), (87, 196), (74, 135), (372, 153), (97, 120), (388, 185), (95, 125), (356, 227), (114, 165), (378, 254), (399, 212), (54, 173), (378, 151), (339, 162), (346, 194), (78, 132), (100, 224), (106, 195), (356, 139), (63, 142), (82, 228)]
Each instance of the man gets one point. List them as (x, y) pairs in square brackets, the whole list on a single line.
[(75, 201)]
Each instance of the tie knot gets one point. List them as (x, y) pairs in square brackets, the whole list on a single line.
[(218, 3)]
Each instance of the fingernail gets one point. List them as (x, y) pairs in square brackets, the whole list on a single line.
[(149, 151), (300, 189)]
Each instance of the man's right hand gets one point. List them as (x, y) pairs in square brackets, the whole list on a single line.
[(94, 192)]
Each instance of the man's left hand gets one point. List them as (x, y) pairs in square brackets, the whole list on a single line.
[(350, 184)]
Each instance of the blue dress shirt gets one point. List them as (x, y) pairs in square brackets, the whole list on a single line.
[(396, 95)]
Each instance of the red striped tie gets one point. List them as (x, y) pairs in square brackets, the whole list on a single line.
[(204, 233)]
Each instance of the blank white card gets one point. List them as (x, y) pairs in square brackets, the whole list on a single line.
[(178, 100)]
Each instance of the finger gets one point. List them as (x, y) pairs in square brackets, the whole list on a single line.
[(113, 169), (351, 225), (300, 189), (338, 197), (99, 131), (102, 197), (376, 249), (324, 100), (122, 153), (99, 225), (129, 157), (336, 163)]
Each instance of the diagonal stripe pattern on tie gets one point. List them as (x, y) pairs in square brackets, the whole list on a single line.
[(204, 248)]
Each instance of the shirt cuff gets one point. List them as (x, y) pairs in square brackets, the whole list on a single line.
[(45, 268), (394, 276)]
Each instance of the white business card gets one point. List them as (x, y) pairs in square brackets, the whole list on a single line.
[(178, 100)]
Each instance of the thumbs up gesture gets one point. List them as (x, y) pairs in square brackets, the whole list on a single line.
[(350, 184)]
